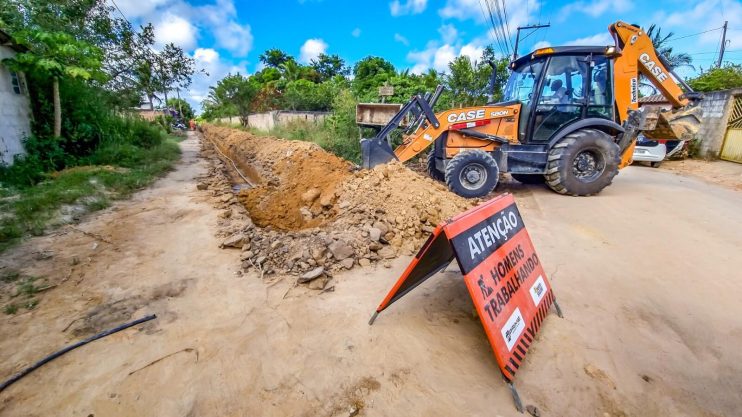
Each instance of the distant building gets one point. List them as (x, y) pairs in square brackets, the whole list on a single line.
[(15, 106)]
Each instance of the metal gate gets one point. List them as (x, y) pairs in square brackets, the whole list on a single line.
[(731, 149)]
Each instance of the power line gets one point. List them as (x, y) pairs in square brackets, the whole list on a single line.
[(715, 52), (122, 13), (694, 34)]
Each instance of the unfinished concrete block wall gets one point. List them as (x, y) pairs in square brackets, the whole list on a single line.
[(716, 108), (15, 111), (270, 120)]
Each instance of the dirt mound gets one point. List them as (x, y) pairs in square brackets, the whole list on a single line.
[(312, 213)]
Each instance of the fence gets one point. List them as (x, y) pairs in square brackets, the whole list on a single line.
[(269, 120)]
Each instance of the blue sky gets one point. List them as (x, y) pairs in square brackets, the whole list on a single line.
[(229, 35)]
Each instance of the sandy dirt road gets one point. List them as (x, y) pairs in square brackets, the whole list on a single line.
[(647, 273)]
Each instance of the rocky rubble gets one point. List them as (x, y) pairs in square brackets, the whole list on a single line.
[(318, 215)]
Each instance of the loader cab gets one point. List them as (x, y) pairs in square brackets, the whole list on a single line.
[(558, 87)]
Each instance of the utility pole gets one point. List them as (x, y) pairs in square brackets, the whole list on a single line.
[(723, 44), (517, 36)]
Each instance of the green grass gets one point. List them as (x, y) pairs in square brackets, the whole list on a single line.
[(343, 145), (113, 171)]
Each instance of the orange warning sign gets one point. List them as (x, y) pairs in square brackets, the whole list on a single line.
[(505, 278)]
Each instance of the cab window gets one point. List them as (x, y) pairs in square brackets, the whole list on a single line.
[(562, 96), (521, 87), (600, 102)]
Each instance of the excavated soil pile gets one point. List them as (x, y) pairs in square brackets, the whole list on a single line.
[(312, 213)]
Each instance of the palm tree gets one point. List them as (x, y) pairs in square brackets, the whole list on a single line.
[(660, 42)]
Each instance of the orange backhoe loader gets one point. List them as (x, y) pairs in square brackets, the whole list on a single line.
[(570, 118)]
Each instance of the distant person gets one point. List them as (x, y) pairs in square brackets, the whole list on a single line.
[(192, 124)]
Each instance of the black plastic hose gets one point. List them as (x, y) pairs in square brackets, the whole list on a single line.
[(59, 353)]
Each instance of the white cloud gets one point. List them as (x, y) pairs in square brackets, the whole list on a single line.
[(438, 56), (311, 49), (180, 22), (134, 9), (594, 8), (175, 29), (356, 32), (398, 8), (599, 39), (462, 10), (234, 37), (210, 61), (472, 51), (401, 39), (541, 44), (448, 33)]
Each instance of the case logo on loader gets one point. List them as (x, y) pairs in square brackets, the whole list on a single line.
[(653, 67), (464, 116)]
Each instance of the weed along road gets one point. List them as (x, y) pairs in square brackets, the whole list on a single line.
[(647, 275)]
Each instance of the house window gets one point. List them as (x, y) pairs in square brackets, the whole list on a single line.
[(17, 81)]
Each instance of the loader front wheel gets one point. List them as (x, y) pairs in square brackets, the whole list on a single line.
[(582, 163), (472, 174), (432, 170)]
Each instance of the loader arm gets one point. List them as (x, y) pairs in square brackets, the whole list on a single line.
[(635, 54), (460, 120)]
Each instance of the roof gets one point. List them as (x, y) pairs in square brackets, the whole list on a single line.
[(7, 40), (653, 99), (562, 50)]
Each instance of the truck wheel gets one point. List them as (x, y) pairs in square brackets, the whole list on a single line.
[(529, 178), (582, 163), (432, 170), (472, 174)]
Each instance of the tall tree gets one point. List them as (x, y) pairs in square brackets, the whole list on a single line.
[(370, 73), (329, 66), (56, 55), (173, 68), (274, 58)]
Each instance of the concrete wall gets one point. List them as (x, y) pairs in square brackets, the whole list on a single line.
[(269, 120), (716, 108), (15, 112)]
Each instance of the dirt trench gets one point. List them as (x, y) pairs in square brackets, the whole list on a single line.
[(311, 210)]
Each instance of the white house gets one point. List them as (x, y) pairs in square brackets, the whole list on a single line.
[(15, 108)]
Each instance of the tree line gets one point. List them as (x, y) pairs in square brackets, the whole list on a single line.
[(284, 83)]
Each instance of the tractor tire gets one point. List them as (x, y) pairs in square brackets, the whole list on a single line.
[(472, 174), (529, 178), (432, 170), (582, 163)]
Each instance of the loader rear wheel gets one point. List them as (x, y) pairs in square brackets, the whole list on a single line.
[(432, 170), (582, 163), (529, 178), (472, 174)]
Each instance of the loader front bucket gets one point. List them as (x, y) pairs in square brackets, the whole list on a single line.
[(375, 151), (681, 124)]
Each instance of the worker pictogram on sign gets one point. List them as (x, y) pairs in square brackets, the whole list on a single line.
[(502, 272)]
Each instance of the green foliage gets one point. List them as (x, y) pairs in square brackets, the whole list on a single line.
[(181, 105), (306, 95), (330, 66), (274, 58), (726, 77), (10, 309), (117, 168), (369, 74)]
